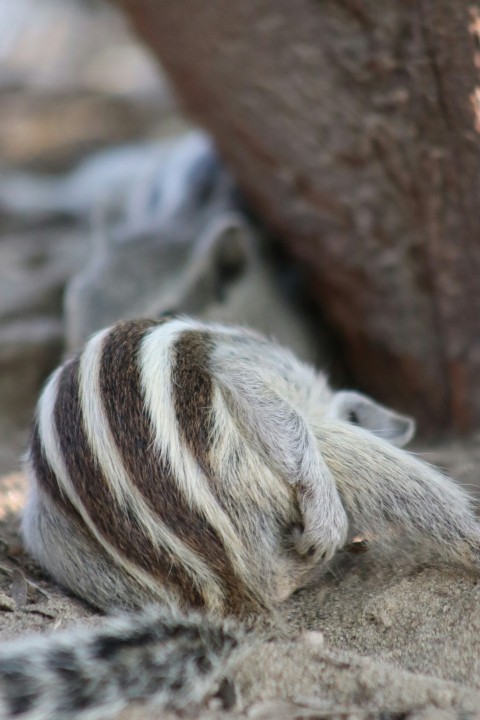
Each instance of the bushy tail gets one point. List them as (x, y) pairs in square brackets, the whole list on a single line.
[(385, 488), (170, 659)]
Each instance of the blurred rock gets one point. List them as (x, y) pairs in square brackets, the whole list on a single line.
[(66, 44), (73, 78), (34, 268), (29, 350), (109, 176), (51, 131)]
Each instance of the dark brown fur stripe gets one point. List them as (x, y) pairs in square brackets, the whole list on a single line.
[(133, 436), (193, 394), (47, 481), (193, 401), (46, 478), (119, 527), (192, 388)]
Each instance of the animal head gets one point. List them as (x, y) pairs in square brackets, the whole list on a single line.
[(358, 409)]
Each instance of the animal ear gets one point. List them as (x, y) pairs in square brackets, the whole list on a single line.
[(360, 410), (232, 247)]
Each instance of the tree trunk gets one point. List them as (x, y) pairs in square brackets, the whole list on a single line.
[(351, 127)]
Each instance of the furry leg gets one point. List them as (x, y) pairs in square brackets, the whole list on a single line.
[(383, 487), (279, 432)]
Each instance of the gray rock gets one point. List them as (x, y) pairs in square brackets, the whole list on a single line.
[(109, 173), (29, 349), (34, 268)]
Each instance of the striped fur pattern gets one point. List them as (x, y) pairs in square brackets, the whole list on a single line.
[(155, 655), (143, 452), (200, 466)]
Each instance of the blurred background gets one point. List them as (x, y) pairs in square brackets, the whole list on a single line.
[(110, 206), (73, 80)]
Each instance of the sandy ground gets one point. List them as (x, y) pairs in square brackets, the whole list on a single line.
[(378, 637)]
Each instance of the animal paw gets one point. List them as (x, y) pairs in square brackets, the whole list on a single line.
[(323, 533)]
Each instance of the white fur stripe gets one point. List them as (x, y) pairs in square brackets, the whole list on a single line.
[(157, 381), (105, 451), (51, 447), (228, 442)]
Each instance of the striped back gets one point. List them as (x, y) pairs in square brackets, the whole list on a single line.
[(122, 445)]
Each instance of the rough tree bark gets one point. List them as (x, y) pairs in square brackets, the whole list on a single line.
[(350, 124)]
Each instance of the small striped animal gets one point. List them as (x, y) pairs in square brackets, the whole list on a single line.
[(200, 466)]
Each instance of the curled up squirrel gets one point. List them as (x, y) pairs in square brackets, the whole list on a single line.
[(202, 472)]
